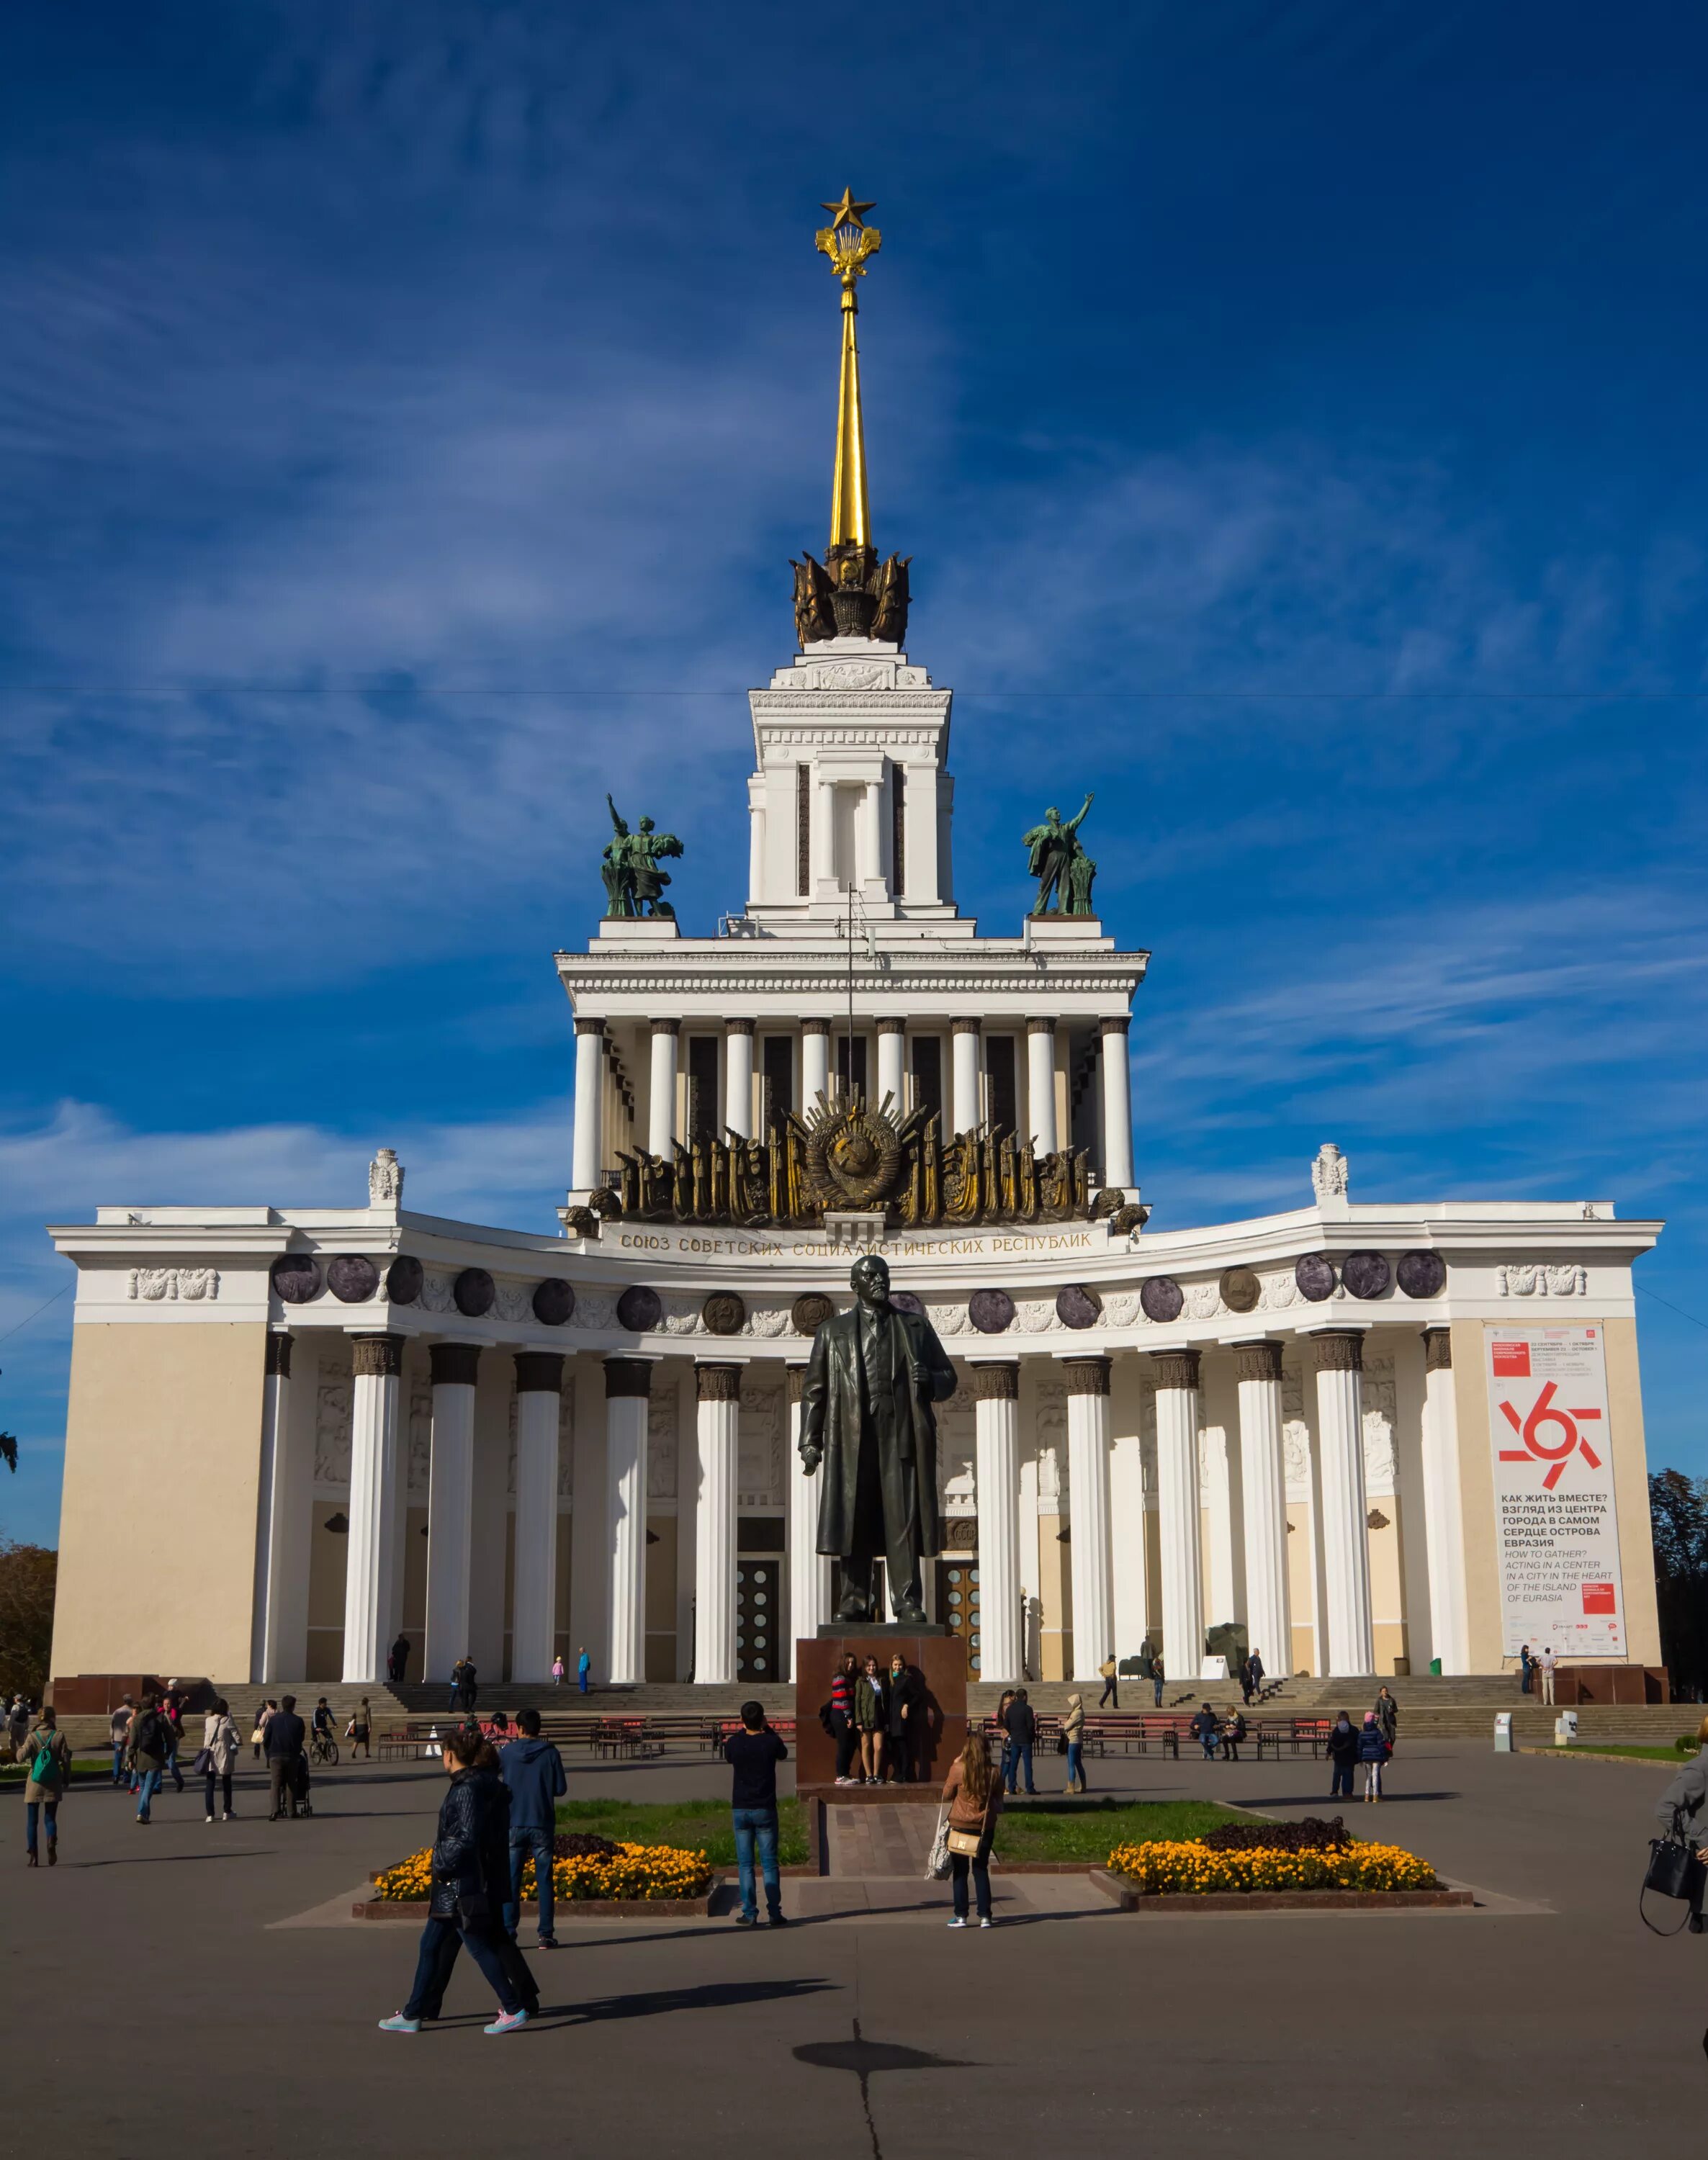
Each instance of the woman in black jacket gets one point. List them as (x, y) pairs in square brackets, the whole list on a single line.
[(1342, 1754), (470, 1883), (904, 1710)]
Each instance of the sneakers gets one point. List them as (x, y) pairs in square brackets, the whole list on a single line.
[(228, 1816), (847, 1781), (958, 1921), (546, 1943), (747, 1919), (400, 2023), (210, 1818), (779, 1919), (987, 1923), (510, 2021)]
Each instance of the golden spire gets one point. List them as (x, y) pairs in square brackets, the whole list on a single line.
[(848, 243)]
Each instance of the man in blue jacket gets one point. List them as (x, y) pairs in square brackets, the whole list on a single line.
[(533, 1770)]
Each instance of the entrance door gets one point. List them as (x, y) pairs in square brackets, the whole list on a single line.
[(758, 1616), (957, 1603)]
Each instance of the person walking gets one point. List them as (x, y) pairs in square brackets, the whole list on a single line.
[(1342, 1753), (151, 1742), (119, 1726), (902, 1713), (753, 1755), (533, 1771), (171, 1708), (1074, 1732), (1157, 1677), (1022, 1724), (1548, 1662), (870, 1715), (1207, 1729), (397, 1664), (257, 1738), (974, 1795), (1254, 1666), (470, 1885), (1387, 1716), (1109, 1672), (47, 1755), (455, 1702), (583, 1670), (1007, 1745), (557, 1670), (843, 1682), (471, 1686), (1243, 1676), (360, 1726), (1527, 1666), (285, 1767), (1680, 1810), (218, 1757), (1373, 1754)]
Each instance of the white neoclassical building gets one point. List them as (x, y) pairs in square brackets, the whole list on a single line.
[(1360, 1435)]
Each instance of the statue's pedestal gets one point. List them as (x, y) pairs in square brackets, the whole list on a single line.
[(935, 1657)]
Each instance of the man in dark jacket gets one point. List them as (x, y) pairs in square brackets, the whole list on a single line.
[(533, 1771), (1022, 1730), (1342, 1753), (753, 1755), (285, 1738), (1207, 1730)]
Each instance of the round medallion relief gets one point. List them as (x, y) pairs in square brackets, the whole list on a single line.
[(296, 1278), (1366, 1274), (473, 1292), (1077, 1307), (404, 1280), (904, 1301), (553, 1302), (350, 1278), (990, 1311), (810, 1311), (723, 1313), (1240, 1289), (1314, 1274), (1421, 1274), (1162, 1298), (639, 1309)]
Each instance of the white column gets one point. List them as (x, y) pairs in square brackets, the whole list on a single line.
[(1129, 1564), (1177, 1512), (997, 1484), (869, 831), (1215, 1495), (1118, 1105), (661, 1107), (271, 1534), (590, 1091), (1346, 1551), (539, 1388), (450, 1504), (809, 1569), (756, 838), (1088, 1497), (963, 1094), (1444, 1528), (628, 1386), (1262, 1476), (738, 1077), (1041, 1084), (891, 1045), (371, 1562), (719, 1390), (815, 1061)]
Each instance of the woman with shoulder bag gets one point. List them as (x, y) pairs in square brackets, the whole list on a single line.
[(1681, 1808), (973, 1794), (218, 1755), (48, 1753)]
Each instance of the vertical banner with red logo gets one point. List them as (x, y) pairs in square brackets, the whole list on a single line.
[(1557, 1532)]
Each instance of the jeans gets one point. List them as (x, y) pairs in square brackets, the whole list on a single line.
[(148, 1784), (456, 1695), (32, 1810), (847, 1739), (172, 1771), (1341, 1780), (1110, 1694), (761, 1824), (1076, 1765), (439, 1950), (1156, 1686), (581, 1679), (979, 1864), (224, 1780), (1019, 1758), (118, 1762), (538, 1843), (1209, 1741)]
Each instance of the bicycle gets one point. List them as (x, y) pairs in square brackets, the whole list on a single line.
[(323, 1747)]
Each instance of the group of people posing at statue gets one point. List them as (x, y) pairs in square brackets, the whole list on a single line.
[(875, 1718)]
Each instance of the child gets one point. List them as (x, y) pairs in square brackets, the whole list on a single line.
[(1373, 1754)]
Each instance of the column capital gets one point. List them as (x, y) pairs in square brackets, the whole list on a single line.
[(627, 1376), (378, 1357), (1175, 1368), (539, 1372), (1114, 1023), (1257, 1361), (1086, 1376), (891, 1024), (965, 1025), (1041, 1024), (717, 1383), (815, 1027), (454, 1364), (797, 1383), (997, 1382), (1337, 1352), (589, 1027), (739, 1026), (278, 1356), (666, 1027), (1438, 1350)]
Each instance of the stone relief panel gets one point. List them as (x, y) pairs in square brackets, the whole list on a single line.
[(436, 1292), (419, 1435), (958, 1448), (1034, 1314), (513, 1300), (1295, 1433), (1202, 1298), (663, 1439), (332, 1412), (681, 1315), (1277, 1291), (593, 1308), (759, 1463), (768, 1321), (1121, 1308), (1380, 1419), (1542, 1281), (948, 1315), (1051, 1430), (155, 1285)]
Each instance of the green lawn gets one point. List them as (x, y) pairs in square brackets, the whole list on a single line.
[(697, 1825), (1086, 1829), (1613, 1747), (81, 1766)]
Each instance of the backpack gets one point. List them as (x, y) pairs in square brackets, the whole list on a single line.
[(45, 1767)]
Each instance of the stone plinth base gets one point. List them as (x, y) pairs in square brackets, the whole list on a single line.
[(890, 1632), (935, 1657)]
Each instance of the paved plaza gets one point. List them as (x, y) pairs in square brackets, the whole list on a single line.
[(215, 1960)]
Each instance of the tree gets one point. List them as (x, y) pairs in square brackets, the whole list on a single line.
[(27, 1576), (1677, 1509)]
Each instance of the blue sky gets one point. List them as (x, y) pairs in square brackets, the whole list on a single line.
[(1296, 415)]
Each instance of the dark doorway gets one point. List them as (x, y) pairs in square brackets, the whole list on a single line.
[(958, 1603), (758, 1619), (701, 1086)]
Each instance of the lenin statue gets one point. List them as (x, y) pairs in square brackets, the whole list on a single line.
[(867, 1415)]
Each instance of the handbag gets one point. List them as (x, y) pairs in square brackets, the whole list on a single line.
[(1674, 1871), (936, 1865), (965, 1842), (1060, 1743), (203, 1766)]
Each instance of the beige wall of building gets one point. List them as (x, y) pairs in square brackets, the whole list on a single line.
[(157, 1521), (1630, 1492)]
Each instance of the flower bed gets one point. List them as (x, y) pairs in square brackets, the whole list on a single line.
[(1195, 1870), (631, 1873)]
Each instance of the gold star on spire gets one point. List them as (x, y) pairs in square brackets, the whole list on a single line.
[(847, 211)]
